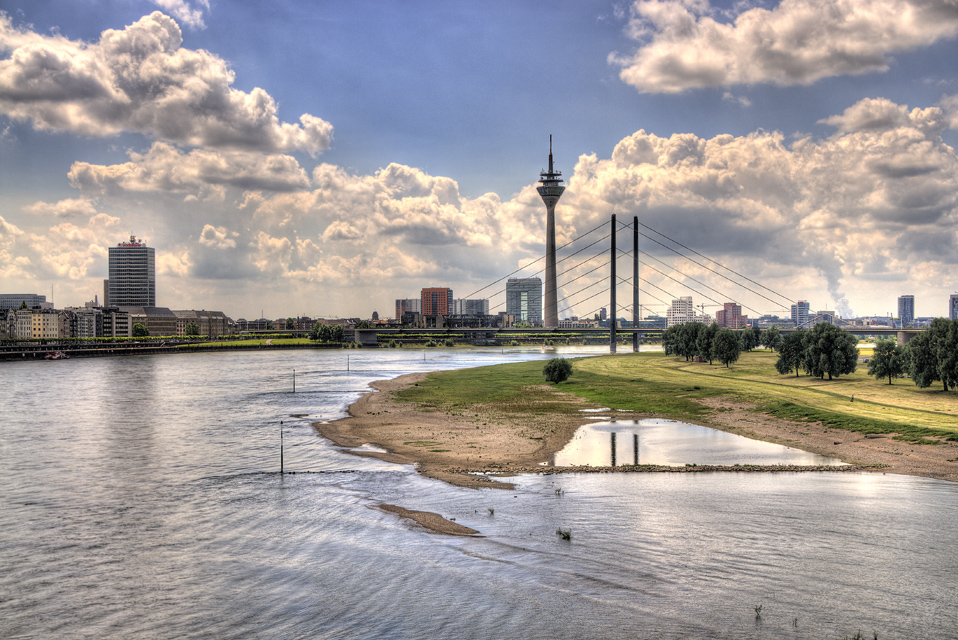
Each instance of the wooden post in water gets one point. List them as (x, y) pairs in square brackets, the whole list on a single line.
[(613, 448), (635, 447), (294, 380), (280, 447)]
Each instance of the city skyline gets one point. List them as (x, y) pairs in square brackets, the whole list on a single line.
[(314, 178)]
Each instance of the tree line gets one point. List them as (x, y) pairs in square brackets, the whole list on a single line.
[(826, 350), (711, 342), (929, 357), (327, 332)]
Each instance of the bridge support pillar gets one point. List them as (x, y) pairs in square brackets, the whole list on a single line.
[(613, 311)]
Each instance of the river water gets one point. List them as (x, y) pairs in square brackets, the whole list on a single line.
[(139, 499)]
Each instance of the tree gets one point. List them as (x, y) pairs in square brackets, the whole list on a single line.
[(705, 340), (830, 350), (888, 360), (682, 339), (140, 330), (791, 351), (320, 332), (557, 370), (726, 346), (931, 355), (290, 323), (192, 329), (364, 325), (949, 356), (772, 338), (670, 339)]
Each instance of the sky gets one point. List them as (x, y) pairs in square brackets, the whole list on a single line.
[(326, 158)]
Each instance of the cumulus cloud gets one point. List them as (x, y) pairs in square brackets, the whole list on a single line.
[(816, 218), (141, 79), (68, 208), (186, 14), (217, 237), (685, 45), (164, 168), (949, 105), (840, 206)]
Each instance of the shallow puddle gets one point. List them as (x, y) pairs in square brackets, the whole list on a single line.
[(668, 442)]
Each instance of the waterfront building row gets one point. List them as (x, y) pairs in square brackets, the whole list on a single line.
[(107, 322)]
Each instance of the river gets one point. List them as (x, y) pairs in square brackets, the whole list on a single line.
[(139, 499)]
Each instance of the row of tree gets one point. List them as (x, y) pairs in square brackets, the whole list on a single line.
[(327, 332), (929, 357), (709, 342), (823, 350)]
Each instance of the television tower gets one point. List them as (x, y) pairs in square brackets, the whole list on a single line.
[(550, 190)]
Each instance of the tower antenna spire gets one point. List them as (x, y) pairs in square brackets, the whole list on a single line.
[(550, 190)]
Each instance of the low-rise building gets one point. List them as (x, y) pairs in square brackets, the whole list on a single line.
[(209, 323), (159, 321)]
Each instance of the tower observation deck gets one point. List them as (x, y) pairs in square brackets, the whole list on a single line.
[(550, 190)]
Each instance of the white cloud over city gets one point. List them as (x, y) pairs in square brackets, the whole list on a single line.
[(140, 79), (690, 45)]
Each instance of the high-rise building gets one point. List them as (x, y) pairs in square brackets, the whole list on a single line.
[(471, 307), (730, 316), (953, 306), (550, 190), (681, 311), (436, 301), (408, 305), (524, 299), (800, 314), (132, 280), (906, 310)]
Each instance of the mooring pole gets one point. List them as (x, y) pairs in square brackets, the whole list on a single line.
[(636, 323), (613, 448), (612, 311), (635, 447), (280, 447), (294, 380)]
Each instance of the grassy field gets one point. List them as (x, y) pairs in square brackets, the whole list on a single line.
[(669, 386)]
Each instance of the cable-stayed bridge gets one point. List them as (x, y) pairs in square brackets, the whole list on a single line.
[(588, 278)]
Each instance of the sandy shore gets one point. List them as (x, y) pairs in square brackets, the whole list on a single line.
[(457, 446)]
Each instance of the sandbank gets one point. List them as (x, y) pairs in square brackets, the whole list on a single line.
[(477, 446)]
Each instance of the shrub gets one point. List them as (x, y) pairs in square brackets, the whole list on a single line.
[(449, 342), (557, 370)]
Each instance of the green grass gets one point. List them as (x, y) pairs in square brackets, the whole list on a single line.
[(669, 386)]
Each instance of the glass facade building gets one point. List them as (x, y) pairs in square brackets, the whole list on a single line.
[(524, 300)]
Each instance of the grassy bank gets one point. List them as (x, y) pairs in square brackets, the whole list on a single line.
[(669, 386)]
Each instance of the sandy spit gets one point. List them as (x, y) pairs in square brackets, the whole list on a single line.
[(471, 448)]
